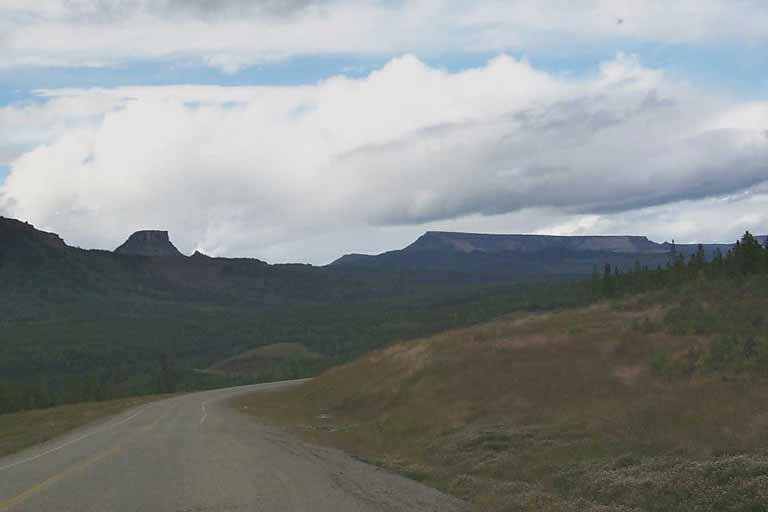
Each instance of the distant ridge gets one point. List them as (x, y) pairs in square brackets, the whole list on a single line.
[(470, 242), (436, 257), (522, 255)]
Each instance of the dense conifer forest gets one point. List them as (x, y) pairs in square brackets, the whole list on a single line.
[(104, 341)]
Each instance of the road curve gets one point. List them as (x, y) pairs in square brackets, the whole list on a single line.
[(194, 453)]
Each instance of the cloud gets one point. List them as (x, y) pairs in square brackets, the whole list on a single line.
[(28, 124), (258, 170), (231, 34)]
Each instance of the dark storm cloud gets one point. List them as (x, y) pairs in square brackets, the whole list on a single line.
[(215, 8), (115, 10), (581, 155)]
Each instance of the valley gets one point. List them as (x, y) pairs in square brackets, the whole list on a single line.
[(629, 388), (95, 325)]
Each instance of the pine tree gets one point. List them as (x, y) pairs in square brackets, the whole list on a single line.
[(595, 280), (749, 257), (765, 256), (167, 374), (717, 261), (43, 394), (697, 261), (608, 281), (5, 405), (678, 268), (672, 258)]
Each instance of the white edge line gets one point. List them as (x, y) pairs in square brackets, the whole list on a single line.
[(205, 413), (72, 441)]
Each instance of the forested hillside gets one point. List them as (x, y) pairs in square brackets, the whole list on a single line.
[(92, 325), (522, 256), (648, 400)]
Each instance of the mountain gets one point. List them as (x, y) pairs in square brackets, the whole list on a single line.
[(474, 242), (149, 243), (522, 256), (17, 234), (96, 323), (91, 324)]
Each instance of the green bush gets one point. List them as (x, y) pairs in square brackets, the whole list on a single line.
[(660, 362), (724, 352)]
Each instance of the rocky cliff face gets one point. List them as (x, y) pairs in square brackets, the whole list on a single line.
[(148, 243)]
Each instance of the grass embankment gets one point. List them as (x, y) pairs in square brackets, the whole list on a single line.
[(612, 407), (24, 429), (278, 361)]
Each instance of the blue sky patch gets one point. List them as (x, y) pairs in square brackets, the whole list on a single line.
[(740, 70)]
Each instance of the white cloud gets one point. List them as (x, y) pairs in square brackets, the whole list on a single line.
[(269, 171), (230, 34), (26, 125)]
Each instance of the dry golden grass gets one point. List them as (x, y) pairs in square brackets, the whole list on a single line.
[(546, 412), (24, 429)]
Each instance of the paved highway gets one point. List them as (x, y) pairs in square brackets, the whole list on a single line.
[(195, 453)]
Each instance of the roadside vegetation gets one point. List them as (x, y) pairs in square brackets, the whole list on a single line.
[(24, 429), (650, 399)]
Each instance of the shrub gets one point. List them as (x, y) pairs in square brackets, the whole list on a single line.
[(724, 352), (660, 362)]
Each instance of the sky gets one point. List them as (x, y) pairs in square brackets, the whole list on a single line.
[(301, 130)]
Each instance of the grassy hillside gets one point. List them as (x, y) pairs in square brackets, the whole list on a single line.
[(651, 403), (270, 361)]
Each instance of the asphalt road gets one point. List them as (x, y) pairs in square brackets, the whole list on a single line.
[(195, 453)]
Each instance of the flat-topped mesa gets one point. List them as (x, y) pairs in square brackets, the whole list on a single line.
[(472, 242), (148, 243)]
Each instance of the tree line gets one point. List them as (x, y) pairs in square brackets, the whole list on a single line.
[(339, 331), (747, 257), (108, 384)]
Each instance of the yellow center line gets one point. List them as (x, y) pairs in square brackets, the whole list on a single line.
[(79, 466), (5, 505)]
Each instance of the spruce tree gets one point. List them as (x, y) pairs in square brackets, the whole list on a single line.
[(595, 280), (167, 374), (43, 394), (765, 255), (750, 255), (5, 405), (697, 261), (608, 282)]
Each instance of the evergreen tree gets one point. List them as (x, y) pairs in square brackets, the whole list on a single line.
[(596, 288), (608, 282), (5, 399), (672, 255), (749, 255), (167, 374), (717, 262), (43, 394), (697, 261), (765, 256), (678, 268)]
